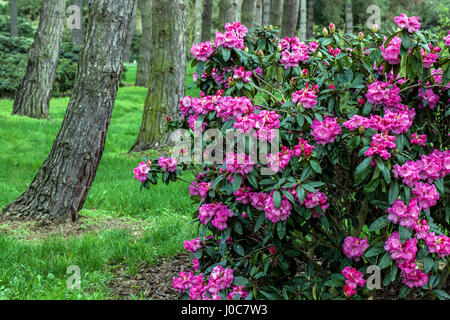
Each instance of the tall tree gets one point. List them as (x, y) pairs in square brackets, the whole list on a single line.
[(77, 33), (303, 20), (60, 187), (229, 11), (310, 31), (248, 12), (13, 18), (276, 12), (33, 96), (207, 20), (145, 47), (259, 11), (130, 35), (167, 72), (348, 16), (266, 12), (198, 8), (290, 18)]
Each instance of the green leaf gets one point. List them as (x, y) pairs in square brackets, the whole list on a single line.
[(300, 194), (373, 252), (240, 281), (281, 229), (371, 186), (384, 170), (238, 228), (403, 233), (404, 291), (379, 223), (260, 221), (362, 170), (237, 182), (385, 261), (393, 192), (226, 53), (428, 263), (442, 295), (315, 166), (277, 199), (239, 249)]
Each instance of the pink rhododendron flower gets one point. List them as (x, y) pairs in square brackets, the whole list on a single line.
[(438, 244), (419, 139), (353, 247), (202, 51), (192, 245), (237, 290), (412, 275), (218, 212), (383, 93), (240, 73), (421, 229), (167, 164), (278, 162), (263, 124), (313, 45), (233, 36), (325, 131), (429, 57), (379, 145), (141, 172), (427, 195), (238, 163), (354, 279), (411, 23), (392, 51), (307, 97), (274, 214), (401, 253), (428, 98), (293, 52), (447, 39), (406, 215), (303, 147), (314, 199)]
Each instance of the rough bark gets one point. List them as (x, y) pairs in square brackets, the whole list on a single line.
[(167, 72), (310, 32), (143, 67), (259, 12), (60, 187), (248, 12), (266, 12), (290, 18), (130, 35), (206, 20), (230, 11), (348, 16), (198, 8), (276, 12), (303, 20), (33, 96), (77, 33), (13, 18)]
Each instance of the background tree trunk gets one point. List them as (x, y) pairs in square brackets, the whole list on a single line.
[(33, 96), (206, 20), (167, 72), (198, 8), (143, 67), (230, 11), (266, 12), (13, 18), (248, 13), (348, 16), (303, 20), (77, 34), (276, 12), (259, 11), (290, 18), (130, 35), (60, 187), (310, 32)]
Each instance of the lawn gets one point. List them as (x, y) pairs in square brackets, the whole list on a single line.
[(34, 267)]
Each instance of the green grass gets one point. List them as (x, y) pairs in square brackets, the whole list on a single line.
[(36, 269)]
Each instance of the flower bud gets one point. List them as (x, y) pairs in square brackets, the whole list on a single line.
[(305, 73), (260, 53), (325, 32), (375, 28), (361, 129), (279, 48), (319, 55), (360, 36), (332, 28), (245, 49)]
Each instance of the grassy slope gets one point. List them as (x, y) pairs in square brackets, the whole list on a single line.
[(37, 269)]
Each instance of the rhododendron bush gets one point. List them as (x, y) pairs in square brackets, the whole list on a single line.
[(361, 123)]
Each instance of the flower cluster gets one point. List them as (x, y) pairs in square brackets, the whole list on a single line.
[(307, 96), (379, 145), (192, 245), (354, 247), (411, 23), (233, 36), (167, 164), (392, 51), (263, 124), (315, 199), (218, 212), (240, 73), (293, 52), (303, 147), (419, 139), (325, 131), (429, 57), (383, 93), (279, 161), (238, 163), (401, 252), (274, 214), (141, 172), (202, 51), (406, 215), (354, 279)]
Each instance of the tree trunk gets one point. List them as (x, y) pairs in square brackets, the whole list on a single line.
[(310, 32), (230, 11), (259, 12), (248, 13), (206, 20), (290, 17), (59, 189), (266, 12), (130, 35), (13, 18), (143, 67), (33, 96), (276, 12), (348, 16), (167, 72), (198, 8), (77, 33), (302, 20)]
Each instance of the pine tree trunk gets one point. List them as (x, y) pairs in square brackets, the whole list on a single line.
[(59, 189), (198, 8), (130, 35), (77, 33), (230, 11), (248, 12), (266, 12), (143, 67), (310, 32), (13, 18), (259, 12), (290, 18), (167, 72), (348, 16), (206, 20), (33, 96), (276, 12), (303, 20)]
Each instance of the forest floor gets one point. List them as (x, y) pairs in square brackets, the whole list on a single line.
[(123, 232)]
